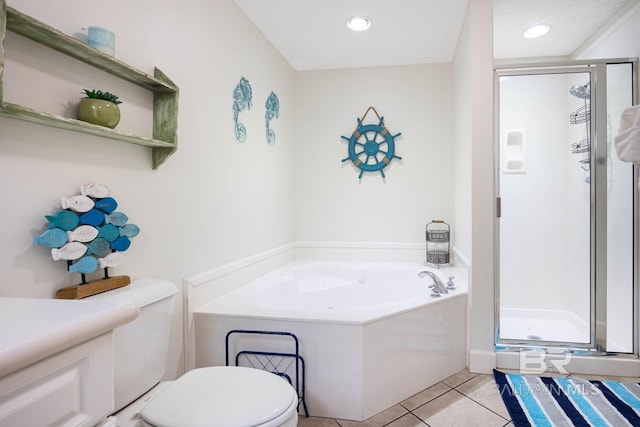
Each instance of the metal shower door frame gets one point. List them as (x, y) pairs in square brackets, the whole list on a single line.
[(597, 70)]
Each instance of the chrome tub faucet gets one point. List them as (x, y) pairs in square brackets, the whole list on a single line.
[(437, 288)]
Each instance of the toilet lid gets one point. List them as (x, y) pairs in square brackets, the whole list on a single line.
[(221, 396)]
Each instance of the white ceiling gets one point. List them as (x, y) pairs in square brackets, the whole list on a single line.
[(314, 36), (572, 23)]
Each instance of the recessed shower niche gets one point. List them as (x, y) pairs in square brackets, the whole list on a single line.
[(513, 153)]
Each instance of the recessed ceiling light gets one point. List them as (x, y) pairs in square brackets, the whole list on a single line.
[(358, 23), (536, 31)]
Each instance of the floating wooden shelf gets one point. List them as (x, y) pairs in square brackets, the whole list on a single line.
[(24, 113), (165, 93)]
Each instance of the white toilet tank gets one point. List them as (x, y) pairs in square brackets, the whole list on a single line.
[(141, 346)]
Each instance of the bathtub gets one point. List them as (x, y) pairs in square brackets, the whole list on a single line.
[(371, 334)]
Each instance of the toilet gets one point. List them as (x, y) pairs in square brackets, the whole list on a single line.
[(217, 396)]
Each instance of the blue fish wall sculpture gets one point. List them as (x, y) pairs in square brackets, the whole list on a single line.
[(116, 218), (94, 217), (98, 247), (88, 233), (65, 220), (107, 205), (53, 238), (84, 265), (121, 244)]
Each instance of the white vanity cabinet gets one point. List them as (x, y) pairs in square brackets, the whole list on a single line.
[(72, 388), (56, 361)]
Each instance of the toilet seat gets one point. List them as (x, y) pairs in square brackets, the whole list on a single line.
[(223, 396)]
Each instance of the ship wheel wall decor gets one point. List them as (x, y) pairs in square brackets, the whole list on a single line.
[(371, 146)]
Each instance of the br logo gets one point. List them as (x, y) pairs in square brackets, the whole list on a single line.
[(537, 362)]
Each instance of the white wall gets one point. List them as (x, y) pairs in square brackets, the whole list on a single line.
[(215, 200), (462, 112), (212, 202), (331, 203), (474, 63)]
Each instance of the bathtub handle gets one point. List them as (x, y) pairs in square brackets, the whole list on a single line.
[(435, 291), (450, 284)]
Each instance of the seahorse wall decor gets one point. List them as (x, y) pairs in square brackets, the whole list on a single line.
[(242, 95), (242, 98), (272, 106)]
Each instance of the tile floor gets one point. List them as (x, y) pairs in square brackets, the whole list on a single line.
[(462, 400)]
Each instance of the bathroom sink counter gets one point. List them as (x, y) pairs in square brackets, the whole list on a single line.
[(34, 329)]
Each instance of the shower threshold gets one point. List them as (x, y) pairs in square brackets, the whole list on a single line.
[(543, 325)]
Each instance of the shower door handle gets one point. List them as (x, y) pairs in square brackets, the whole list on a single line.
[(498, 207)]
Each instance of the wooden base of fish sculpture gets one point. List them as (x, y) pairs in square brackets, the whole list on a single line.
[(92, 288)]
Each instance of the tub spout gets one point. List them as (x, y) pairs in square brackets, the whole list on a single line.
[(438, 288)]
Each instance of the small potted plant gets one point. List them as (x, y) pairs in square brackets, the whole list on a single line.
[(100, 108)]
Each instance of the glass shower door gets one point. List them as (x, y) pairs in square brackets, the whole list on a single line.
[(565, 226), (621, 188)]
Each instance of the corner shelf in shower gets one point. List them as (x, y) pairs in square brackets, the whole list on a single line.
[(165, 92)]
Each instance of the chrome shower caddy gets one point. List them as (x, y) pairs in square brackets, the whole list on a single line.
[(438, 236)]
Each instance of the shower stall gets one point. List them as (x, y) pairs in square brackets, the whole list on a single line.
[(566, 208)]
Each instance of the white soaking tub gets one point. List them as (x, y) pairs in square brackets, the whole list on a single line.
[(371, 334)]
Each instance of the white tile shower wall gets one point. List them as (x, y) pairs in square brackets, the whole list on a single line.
[(539, 197)]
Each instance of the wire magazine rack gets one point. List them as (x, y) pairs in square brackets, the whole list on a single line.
[(288, 365)]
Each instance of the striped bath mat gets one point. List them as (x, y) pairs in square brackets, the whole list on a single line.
[(545, 401)]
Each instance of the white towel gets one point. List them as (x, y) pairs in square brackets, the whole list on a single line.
[(627, 141)]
